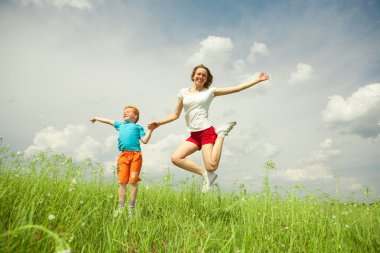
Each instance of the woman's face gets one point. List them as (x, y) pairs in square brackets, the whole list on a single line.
[(200, 76)]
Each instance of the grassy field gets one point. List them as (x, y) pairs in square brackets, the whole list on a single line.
[(49, 203)]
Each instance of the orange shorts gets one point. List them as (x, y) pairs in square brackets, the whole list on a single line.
[(129, 166)]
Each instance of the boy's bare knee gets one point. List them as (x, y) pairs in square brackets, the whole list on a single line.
[(134, 175)]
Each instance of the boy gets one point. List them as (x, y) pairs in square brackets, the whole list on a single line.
[(130, 159)]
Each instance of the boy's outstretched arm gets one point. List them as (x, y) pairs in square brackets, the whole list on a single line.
[(103, 120), (146, 138)]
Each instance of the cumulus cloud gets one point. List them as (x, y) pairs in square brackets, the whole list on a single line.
[(213, 49), (159, 153), (72, 140), (307, 173), (358, 114), (257, 49), (303, 73), (79, 4), (314, 168), (254, 141)]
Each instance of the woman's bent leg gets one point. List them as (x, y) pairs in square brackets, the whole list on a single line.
[(179, 158), (211, 154)]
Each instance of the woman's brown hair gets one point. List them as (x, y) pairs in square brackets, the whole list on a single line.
[(209, 75)]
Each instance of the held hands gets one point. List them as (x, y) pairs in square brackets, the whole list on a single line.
[(153, 125)]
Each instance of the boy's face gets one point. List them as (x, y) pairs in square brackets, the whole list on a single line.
[(129, 115)]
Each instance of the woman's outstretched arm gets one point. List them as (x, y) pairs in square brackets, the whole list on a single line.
[(233, 89)]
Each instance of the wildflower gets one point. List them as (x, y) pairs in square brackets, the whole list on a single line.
[(81, 202), (71, 189), (51, 217), (110, 196), (286, 228), (74, 181)]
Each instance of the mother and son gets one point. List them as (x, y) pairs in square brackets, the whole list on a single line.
[(195, 101)]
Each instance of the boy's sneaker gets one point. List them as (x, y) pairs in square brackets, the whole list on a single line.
[(118, 211), (208, 182), (131, 212), (224, 129)]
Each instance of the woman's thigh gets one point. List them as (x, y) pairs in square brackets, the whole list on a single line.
[(184, 150)]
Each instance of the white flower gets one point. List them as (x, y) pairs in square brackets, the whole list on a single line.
[(74, 181), (51, 217)]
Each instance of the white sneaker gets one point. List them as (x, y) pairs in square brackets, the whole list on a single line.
[(208, 181), (224, 129)]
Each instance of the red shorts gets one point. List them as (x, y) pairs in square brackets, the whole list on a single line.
[(129, 166), (203, 137)]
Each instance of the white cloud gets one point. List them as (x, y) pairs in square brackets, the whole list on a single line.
[(325, 152), (159, 153), (79, 4), (254, 141), (358, 114), (303, 73), (72, 140), (310, 172), (257, 49), (313, 168), (88, 149), (213, 49), (49, 137)]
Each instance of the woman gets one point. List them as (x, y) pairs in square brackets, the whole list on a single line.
[(196, 101)]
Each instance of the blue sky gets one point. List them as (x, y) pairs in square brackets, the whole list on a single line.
[(318, 118)]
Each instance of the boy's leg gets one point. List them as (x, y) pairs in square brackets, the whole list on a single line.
[(133, 195), (122, 190), (134, 177), (123, 170)]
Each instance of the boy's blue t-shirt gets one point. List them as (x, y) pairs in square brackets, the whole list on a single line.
[(129, 135)]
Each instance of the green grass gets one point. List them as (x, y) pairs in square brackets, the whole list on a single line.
[(168, 218)]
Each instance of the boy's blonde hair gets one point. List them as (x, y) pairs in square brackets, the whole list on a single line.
[(135, 111)]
